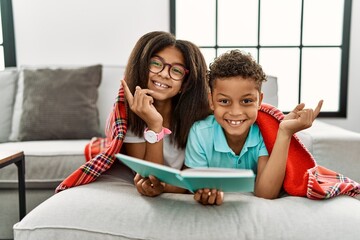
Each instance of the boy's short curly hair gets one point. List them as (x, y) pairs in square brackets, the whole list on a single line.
[(235, 63)]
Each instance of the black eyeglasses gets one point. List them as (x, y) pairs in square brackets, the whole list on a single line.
[(176, 71)]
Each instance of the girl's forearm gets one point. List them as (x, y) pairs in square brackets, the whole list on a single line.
[(154, 152)]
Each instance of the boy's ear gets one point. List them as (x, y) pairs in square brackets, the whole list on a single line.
[(211, 104), (261, 96)]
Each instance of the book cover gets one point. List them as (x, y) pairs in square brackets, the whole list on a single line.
[(225, 179)]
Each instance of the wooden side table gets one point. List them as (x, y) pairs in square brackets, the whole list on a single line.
[(7, 158)]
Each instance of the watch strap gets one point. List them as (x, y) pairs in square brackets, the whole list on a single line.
[(164, 131)]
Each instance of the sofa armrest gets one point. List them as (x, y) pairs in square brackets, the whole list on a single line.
[(334, 148)]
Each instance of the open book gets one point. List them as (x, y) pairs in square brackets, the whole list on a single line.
[(224, 179)]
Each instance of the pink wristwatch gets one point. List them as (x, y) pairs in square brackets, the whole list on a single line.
[(153, 137)]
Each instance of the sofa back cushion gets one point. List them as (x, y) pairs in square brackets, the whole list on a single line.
[(270, 90), (108, 90), (8, 81), (57, 103)]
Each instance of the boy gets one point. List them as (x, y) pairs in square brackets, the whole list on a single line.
[(230, 138)]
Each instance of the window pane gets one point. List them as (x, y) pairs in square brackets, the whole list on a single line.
[(323, 20), (283, 63), (209, 54), (195, 21), (252, 51), (238, 23), (2, 62), (321, 77), (280, 22)]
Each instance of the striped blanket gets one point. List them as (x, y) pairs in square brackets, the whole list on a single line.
[(303, 176)]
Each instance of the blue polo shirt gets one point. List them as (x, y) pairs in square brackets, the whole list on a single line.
[(207, 147)]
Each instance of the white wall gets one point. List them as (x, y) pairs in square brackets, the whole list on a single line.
[(84, 31), (104, 31)]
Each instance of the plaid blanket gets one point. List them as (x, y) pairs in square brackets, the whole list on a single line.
[(303, 176), (104, 149)]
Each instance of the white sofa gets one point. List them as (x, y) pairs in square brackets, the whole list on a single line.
[(111, 208), (48, 162)]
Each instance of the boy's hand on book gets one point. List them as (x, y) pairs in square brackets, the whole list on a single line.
[(150, 187), (209, 197)]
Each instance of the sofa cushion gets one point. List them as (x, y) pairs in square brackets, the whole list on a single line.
[(8, 80), (108, 91), (47, 163), (125, 214), (270, 90), (57, 104), (334, 148)]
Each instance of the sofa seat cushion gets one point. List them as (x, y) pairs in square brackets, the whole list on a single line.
[(47, 163), (111, 208)]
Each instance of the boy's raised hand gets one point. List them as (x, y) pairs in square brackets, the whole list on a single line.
[(300, 118), (141, 103)]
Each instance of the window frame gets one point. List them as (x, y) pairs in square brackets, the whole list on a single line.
[(8, 33), (345, 48)]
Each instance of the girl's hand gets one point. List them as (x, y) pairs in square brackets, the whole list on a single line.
[(150, 187), (300, 118), (141, 103), (209, 197)]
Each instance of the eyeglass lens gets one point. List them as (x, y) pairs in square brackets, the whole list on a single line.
[(176, 71)]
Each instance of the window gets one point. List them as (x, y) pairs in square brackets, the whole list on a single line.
[(305, 43), (7, 41)]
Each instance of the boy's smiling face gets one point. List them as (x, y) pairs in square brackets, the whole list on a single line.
[(235, 102)]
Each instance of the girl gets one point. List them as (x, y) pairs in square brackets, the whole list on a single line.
[(166, 92)]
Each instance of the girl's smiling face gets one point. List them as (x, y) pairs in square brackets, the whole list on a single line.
[(235, 102), (161, 83)]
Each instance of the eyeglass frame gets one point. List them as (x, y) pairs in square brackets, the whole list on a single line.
[(170, 66)]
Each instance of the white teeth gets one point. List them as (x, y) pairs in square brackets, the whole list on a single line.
[(233, 122), (161, 85)]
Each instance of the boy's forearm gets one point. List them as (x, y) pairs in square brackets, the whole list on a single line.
[(270, 182)]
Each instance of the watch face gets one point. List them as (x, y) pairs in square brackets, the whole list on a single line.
[(150, 136)]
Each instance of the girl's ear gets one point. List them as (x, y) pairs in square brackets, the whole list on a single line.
[(211, 104)]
